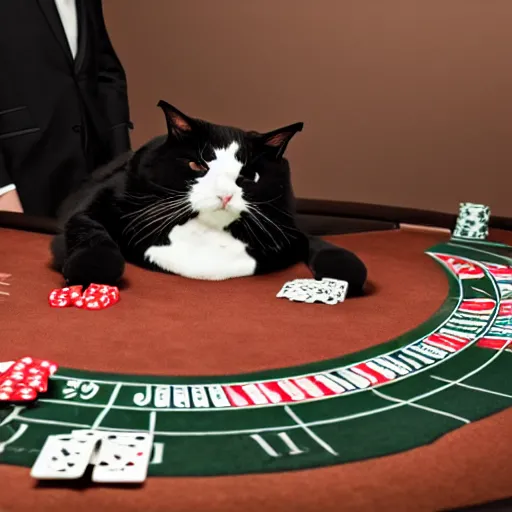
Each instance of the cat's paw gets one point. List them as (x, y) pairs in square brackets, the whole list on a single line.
[(102, 264), (338, 263)]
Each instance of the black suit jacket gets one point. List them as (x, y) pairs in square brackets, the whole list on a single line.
[(59, 117)]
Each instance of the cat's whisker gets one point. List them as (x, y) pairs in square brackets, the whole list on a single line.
[(280, 210), (157, 206), (262, 227), (280, 228), (172, 191), (141, 229), (287, 237), (152, 198), (166, 200), (149, 203), (138, 196), (143, 217), (142, 210), (169, 221), (266, 219), (157, 216), (156, 210), (269, 201), (166, 221), (249, 228)]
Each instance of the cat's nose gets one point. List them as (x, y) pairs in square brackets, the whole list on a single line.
[(225, 200)]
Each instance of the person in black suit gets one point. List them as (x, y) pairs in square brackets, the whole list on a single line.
[(63, 101)]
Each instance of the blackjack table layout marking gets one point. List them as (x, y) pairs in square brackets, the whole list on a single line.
[(449, 371)]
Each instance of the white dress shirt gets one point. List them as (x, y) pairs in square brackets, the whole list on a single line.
[(67, 12)]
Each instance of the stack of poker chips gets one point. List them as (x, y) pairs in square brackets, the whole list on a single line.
[(472, 222), (23, 380)]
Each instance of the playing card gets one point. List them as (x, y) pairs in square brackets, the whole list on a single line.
[(298, 289), (331, 291), (63, 457), (95, 435), (327, 291), (123, 458), (286, 290), (89, 434)]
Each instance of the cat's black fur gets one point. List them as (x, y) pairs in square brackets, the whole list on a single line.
[(102, 225)]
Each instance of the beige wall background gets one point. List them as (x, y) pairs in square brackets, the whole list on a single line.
[(405, 102)]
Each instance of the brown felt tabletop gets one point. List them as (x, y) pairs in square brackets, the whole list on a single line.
[(166, 325), (170, 325)]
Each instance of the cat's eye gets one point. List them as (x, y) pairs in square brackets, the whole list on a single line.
[(197, 166), (243, 179)]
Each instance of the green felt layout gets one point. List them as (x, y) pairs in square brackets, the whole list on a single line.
[(450, 371)]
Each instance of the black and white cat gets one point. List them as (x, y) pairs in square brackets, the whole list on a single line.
[(204, 201)]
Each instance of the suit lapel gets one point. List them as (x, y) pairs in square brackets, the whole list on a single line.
[(53, 18), (82, 33)]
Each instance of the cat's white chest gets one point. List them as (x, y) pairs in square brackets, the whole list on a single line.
[(198, 251)]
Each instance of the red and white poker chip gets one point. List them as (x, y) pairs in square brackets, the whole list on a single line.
[(95, 297), (22, 380)]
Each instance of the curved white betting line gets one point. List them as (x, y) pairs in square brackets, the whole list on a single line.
[(482, 333), (418, 406), (288, 427), (439, 326), (21, 430), (471, 248), (12, 415)]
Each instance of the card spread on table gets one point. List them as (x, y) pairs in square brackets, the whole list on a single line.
[(117, 457), (123, 458), (326, 291)]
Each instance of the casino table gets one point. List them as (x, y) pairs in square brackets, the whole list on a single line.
[(396, 400)]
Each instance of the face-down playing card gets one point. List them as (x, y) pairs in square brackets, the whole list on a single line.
[(123, 458)]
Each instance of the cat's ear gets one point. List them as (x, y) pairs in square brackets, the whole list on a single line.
[(178, 124), (274, 143)]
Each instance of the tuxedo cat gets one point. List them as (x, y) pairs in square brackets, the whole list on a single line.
[(204, 201)]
